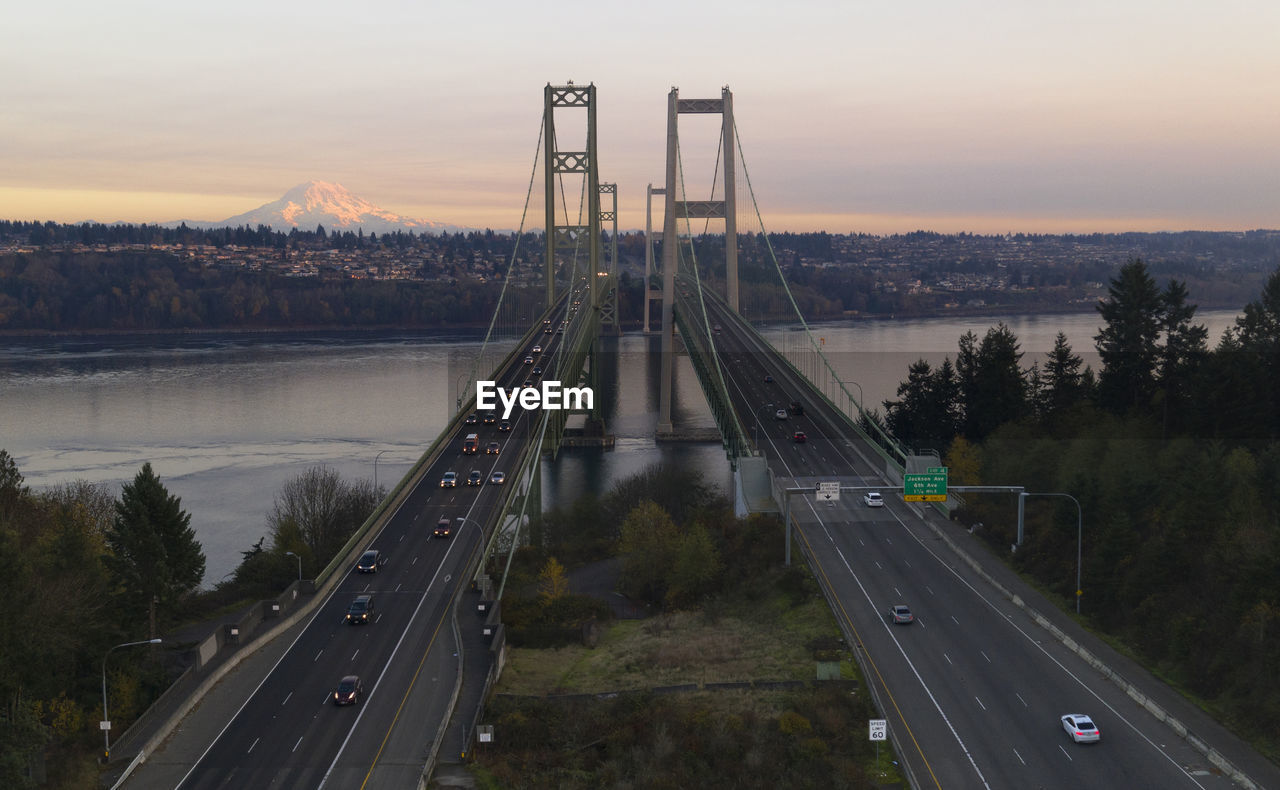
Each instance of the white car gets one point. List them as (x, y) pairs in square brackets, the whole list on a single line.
[(873, 499), (1081, 728), (780, 414)]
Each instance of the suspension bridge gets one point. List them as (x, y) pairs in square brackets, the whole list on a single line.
[(970, 695)]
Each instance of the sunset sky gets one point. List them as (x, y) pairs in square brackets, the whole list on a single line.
[(986, 116)]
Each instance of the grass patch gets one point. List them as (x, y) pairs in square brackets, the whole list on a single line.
[(733, 640)]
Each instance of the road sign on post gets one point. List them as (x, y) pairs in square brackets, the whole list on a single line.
[(829, 492), (928, 487), (879, 729)]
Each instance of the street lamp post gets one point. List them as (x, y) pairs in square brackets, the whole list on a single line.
[(457, 386), (375, 468), (299, 559), (755, 428), (1079, 536), (106, 720)]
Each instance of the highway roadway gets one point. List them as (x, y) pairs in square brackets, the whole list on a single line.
[(973, 690), (289, 733)]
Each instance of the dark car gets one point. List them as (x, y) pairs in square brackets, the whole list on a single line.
[(497, 478), (370, 562), (492, 448), (797, 408), (799, 437), (472, 419), (504, 426), (349, 692), (537, 370), (444, 528), (360, 611), (490, 417), (475, 478), (768, 379)]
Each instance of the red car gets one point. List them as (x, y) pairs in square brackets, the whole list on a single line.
[(799, 437)]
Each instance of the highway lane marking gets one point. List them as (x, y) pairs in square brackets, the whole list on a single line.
[(1064, 754), (897, 591), (397, 589), (387, 666), (878, 565), (980, 705), (317, 658), (849, 620), (1020, 699), (948, 658), (301, 632), (286, 702), (415, 561), (954, 620), (1039, 646), (984, 655), (255, 743), (296, 745), (377, 619), (1015, 753), (353, 655), (930, 589), (910, 664)]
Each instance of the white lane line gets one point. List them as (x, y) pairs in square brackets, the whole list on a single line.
[(397, 589), (415, 561), (888, 540), (1020, 699), (310, 622), (954, 620), (1043, 650), (376, 619), (317, 658), (930, 589), (897, 592), (353, 655), (286, 702), (1015, 752), (860, 542), (1064, 753), (984, 655), (878, 565), (948, 658), (255, 743), (980, 705), (296, 745), (401, 539)]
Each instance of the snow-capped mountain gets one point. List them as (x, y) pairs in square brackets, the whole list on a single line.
[(333, 206)]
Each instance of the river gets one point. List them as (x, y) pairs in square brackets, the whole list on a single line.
[(227, 419)]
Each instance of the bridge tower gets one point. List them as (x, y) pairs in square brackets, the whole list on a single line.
[(569, 237), (693, 209)]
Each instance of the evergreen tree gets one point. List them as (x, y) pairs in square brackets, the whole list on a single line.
[(1182, 353), (1133, 313), (992, 388), (153, 551), (1061, 382)]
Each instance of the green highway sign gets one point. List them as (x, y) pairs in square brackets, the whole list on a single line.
[(928, 487)]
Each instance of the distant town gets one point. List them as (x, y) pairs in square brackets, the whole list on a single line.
[(831, 275)]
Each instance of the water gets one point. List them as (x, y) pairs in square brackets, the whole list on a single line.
[(226, 420)]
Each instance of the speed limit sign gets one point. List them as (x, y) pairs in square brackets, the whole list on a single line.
[(879, 730)]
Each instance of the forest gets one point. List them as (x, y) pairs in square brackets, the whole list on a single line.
[(1172, 450)]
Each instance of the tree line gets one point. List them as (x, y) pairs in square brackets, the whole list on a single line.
[(62, 291), (1172, 449), (86, 571)]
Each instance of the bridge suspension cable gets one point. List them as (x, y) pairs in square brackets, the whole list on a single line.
[(818, 365)]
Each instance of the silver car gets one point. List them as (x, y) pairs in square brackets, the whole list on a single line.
[(1081, 728)]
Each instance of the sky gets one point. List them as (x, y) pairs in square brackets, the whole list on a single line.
[(984, 116)]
